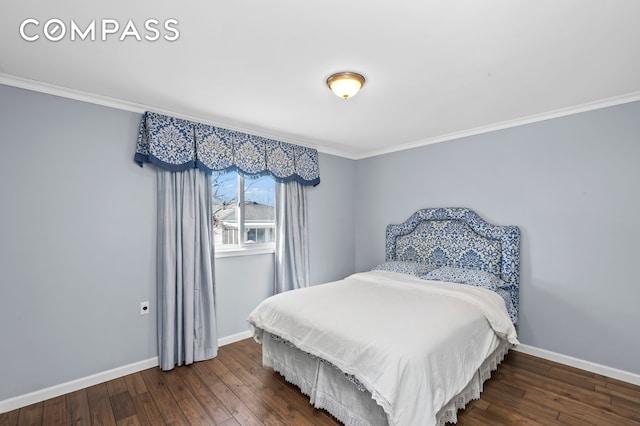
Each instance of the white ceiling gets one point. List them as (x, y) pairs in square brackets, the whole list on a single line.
[(435, 69)]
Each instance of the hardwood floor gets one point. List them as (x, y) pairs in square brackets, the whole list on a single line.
[(234, 389)]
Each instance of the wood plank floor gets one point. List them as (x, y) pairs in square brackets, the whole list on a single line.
[(234, 389)]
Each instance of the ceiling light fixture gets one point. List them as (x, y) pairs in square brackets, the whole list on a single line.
[(345, 84)]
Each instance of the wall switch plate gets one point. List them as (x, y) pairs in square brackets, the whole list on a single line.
[(144, 308)]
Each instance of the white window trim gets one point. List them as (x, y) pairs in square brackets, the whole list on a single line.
[(245, 251)]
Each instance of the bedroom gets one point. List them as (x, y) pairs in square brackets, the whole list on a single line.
[(78, 253)]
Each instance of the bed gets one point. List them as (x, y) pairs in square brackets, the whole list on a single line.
[(411, 341)]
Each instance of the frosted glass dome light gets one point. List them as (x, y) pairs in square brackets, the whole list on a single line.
[(345, 84)]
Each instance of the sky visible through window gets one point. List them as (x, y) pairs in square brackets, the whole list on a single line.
[(259, 190)]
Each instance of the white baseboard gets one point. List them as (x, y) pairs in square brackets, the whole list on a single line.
[(84, 382), (94, 379), (234, 338), (74, 385), (613, 373)]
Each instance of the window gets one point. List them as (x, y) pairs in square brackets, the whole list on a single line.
[(245, 218)]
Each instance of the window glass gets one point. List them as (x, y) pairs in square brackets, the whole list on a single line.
[(259, 210), (243, 218)]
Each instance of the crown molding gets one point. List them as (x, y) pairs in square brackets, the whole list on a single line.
[(65, 92), (562, 112), (93, 98)]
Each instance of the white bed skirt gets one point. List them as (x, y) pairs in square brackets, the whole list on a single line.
[(330, 389)]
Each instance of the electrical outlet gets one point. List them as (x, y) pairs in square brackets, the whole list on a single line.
[(144, 308)]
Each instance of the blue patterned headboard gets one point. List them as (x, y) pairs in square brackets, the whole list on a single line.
[(458, 237)]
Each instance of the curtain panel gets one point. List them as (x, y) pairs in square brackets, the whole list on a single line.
[(292, 246), (185, 269), (175, 144)]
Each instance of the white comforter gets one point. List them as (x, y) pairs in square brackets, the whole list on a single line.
[(414, 344)]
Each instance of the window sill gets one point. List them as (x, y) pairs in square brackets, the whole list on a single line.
[(244, 251)]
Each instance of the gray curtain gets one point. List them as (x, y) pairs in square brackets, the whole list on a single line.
[(292, 249), (186, 311)]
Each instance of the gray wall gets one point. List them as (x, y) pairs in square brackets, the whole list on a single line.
[(77, 243), (571, 185), (332, 220), (242, 282)]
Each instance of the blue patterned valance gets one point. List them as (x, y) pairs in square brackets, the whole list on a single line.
[(175, 144)]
